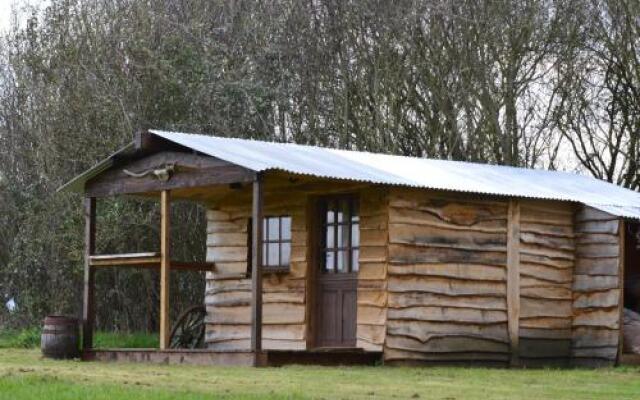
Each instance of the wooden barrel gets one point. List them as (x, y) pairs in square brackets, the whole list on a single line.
[(60, 337)]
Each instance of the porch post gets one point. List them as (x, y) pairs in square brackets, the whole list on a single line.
[(513, 280), (256, 267), (88, 310), (165, 268)]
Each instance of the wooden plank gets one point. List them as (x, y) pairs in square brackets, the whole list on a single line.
[(124, 255), (401, 300), (466, 271), (116, 181), (154, 263), (88, 307), (256, 265), (165, 268), (444, 314), (513, 278)]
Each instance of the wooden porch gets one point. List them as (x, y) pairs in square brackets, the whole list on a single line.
[(175, 174), (236, 358)]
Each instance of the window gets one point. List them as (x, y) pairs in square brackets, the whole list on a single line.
[(276, 243), (341, 238)]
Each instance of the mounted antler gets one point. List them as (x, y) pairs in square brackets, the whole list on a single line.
[(163, 174)]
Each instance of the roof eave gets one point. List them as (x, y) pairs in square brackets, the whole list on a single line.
[(77, 184)]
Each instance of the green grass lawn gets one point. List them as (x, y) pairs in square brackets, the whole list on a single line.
[(25, 375), (30, 338)]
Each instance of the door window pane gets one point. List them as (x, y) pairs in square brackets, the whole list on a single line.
[(343, 261), (329, 260), (355, 253), (355, 235), (330, 236), (343, 236)]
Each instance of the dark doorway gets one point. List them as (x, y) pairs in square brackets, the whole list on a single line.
[(337, 279), (632, 266)]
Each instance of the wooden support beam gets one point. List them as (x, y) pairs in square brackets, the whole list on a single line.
[(513, 280), (622, 239), (256, 267), (146, 260), (88, 307), (165, 267)]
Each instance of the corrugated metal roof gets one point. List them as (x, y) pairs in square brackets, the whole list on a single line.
[(414, 172)]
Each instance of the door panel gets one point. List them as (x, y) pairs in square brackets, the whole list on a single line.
[(337, 272)]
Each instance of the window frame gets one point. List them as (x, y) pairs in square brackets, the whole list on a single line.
[(346, 246), (266, 241)]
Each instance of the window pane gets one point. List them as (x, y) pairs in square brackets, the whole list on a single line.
[(330, 213), (272, 260), (329, 241), (286, 228), (264, 227), (285, 254), (343, 211), (355, 215), (328, 264), (343, 261), (343, 235), (274, 228), (355, 235), (354, 259)]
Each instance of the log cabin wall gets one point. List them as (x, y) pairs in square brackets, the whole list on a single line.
[(596, 287), (228, 289), (287, 323), (372, 274), (447, 279), (547, 252)]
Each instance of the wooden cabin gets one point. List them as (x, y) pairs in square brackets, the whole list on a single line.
[(318, 254)]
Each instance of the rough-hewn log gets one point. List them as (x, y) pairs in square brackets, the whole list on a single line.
[(513, 279), (88, 308), (165, 268), (256, 265)]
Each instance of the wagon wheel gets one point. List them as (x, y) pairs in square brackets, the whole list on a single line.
[(188, 331)]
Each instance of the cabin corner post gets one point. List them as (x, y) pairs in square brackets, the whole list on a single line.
[(88, 307), (622, 233), (165, 267), (256, 267), (513, 280)]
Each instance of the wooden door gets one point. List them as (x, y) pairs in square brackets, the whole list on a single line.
[(337, 283)]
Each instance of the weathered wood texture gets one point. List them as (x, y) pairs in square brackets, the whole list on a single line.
[(285, 319), (228, 289), (190, 171), (596, 289), (547, 252), (447, 279), (165, 268), (372, 274)]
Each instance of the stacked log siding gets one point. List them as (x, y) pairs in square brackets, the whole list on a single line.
[(286, 323), (228, 289), (432, 280), (372, 274), (447, 279), (596, 288), (547, 253)]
